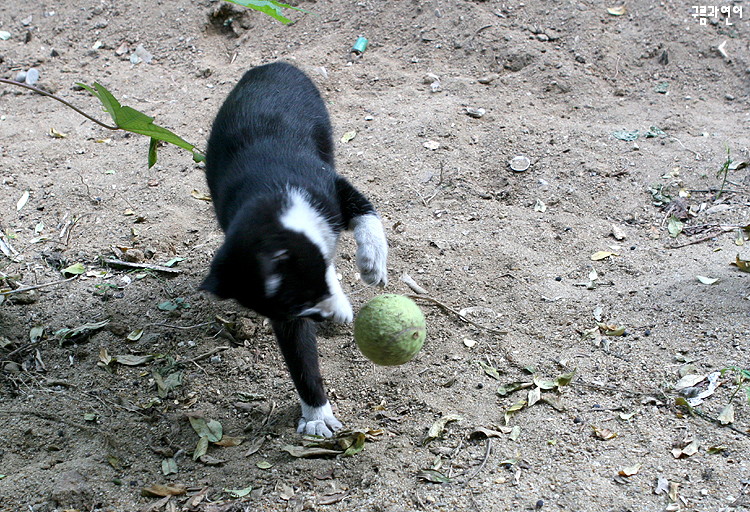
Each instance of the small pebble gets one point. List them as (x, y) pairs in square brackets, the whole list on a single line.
[(488, 79), (4, 35), (558, 278), (539, 504), (215, 359), (21, 76), (476, 113), (32, 76), (141, 54), (520, 163)]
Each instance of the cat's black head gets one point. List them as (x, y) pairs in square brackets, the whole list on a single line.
[(279, 274)]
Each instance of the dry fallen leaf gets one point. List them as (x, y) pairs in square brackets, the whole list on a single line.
[(630, 470), (484, 433), (689, 450), (662, 486), (534, 395), (164, 490), (22, 201), (56, 135), (707, 280), (348, 136), (438, 428), (743, 265), (602, 255), (200, 195), (603, 433), (727, 415)]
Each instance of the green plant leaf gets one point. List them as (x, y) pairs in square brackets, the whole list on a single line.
[(270, 7), (565, 378), (75, 269), (152, 145), (131, 120), (357, 445)]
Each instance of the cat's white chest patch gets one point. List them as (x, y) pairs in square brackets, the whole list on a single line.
[(302, 217)]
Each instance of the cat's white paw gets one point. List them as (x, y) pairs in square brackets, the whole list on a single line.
[(372, 249), (342, 311), (318, 421), (336, 307)]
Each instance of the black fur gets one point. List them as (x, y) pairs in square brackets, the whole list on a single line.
[(272, 135)]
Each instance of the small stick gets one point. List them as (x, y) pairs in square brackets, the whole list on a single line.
[(716, 421), (484, 461), (602, 387), (206, 355), (142, 266), (459, 315), (709, 236), (49, 95), (411, 283), (180, 327), (35, 287)]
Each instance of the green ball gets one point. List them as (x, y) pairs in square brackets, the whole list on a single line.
[(390, 329)]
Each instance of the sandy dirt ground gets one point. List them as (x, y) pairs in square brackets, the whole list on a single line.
[(588, 260)]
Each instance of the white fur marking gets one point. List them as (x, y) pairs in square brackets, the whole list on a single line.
[(273, 282), (318, 421), (372, 249), (337, 306), (302, 217)]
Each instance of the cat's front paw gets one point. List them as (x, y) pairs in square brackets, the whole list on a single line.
[(318, 421), (372, 250), (339, 308)]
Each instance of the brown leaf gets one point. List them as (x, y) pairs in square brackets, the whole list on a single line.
[(603, 433), (303, 452), (228, 441), (164, 490)]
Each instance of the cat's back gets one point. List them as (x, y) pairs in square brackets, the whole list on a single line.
[(274, 104)]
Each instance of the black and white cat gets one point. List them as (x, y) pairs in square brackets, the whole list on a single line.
[(282, 206)]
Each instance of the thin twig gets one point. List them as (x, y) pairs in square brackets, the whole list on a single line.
[(143, 266), (484, 461), (695, 153), (601, 387), (459, 315), (711, 419), (35, 287), (698, 240), (50, 95), (180, 327), (206, 355)]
